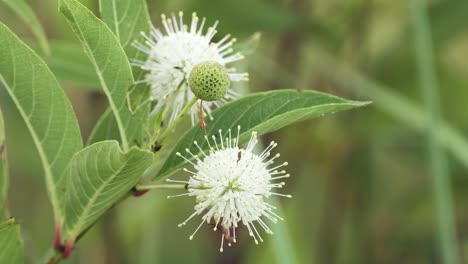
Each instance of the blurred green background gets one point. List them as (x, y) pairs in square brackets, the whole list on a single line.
[(362, 183)]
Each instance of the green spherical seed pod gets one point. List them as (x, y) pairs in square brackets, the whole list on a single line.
[(209, 81)]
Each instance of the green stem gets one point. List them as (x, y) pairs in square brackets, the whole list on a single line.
[(179, 117), (438, 160), (145, 187), (53, 257)]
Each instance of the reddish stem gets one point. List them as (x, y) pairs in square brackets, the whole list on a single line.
[(68, 248), (58, 238), (202, 116), (138, 193)]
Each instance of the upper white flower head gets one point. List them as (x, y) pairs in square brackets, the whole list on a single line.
[(230, 185), (172, 56)]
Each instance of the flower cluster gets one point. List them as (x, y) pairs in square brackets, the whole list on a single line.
[(172, 56), (231, 184)]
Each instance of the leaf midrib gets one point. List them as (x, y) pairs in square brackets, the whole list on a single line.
[(247, 132), (118, 118), (40, 150), (91, 201)]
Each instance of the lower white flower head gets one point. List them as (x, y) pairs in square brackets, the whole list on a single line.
[(231, 184), (172, 56)]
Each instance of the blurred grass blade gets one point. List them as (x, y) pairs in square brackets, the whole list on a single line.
[(78, 73), (261, 112), (24, 11), (32, 88), (243, 15), (11, 245), (110, 63), (100, 175), (282, 244), (437, 158), (389, 102), (3, 172)]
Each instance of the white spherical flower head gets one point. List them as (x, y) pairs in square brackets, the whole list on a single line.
[(173, 54), (231, 185)]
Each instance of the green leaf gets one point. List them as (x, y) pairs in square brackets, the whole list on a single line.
[(70, 65), (100, 175), (11, 245), (24, 11), (262, 112), (127, 19), (43, 106), (3, 171), (109, 60), (105, 129)]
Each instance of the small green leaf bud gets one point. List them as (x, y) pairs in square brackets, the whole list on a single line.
[(209, 81)]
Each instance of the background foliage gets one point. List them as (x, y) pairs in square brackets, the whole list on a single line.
[(361, 180)]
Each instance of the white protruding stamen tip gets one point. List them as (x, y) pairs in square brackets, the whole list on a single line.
[(227, 162), (221, 250)]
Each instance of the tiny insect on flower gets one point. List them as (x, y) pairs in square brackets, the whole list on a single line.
[(172, 55), (231, 184)]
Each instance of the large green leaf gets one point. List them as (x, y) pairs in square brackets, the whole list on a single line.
[(262, 112), (127, 19), (110, 62), (99, 176), (3, 171), (45, 109), (11, 245), (24, 11)]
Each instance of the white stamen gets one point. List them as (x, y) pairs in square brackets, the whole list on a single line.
[(231, 185), (171, 56)]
